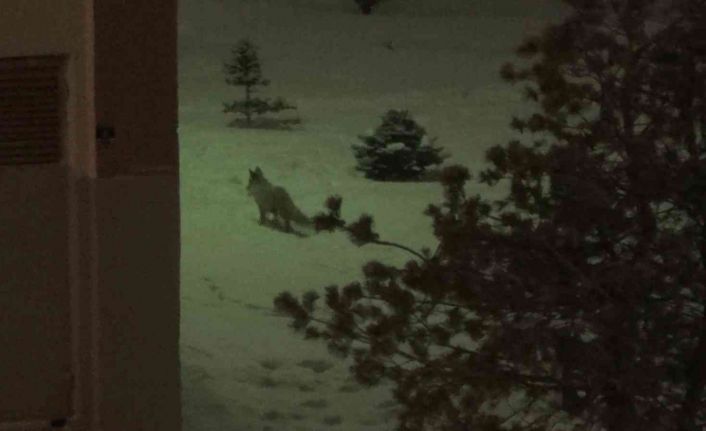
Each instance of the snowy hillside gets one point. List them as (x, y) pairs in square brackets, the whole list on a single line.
[(243, 369)]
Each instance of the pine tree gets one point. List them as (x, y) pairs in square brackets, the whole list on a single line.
[(245, 71), (397, 150), (581, 295)]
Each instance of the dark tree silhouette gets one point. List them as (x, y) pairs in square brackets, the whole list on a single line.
[(577, 301), (398, 149), (366, 6), (245, 71)]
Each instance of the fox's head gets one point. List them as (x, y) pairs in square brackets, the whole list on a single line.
[(256, 177)]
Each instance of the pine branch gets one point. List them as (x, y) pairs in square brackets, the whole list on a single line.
[(402, 247)]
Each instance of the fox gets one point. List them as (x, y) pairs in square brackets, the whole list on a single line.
[(275, 200)]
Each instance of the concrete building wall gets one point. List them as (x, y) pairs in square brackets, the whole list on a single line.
[(138, 276), (38, 27), (137, 213), (136, 86), (109, 215), (45, 328)]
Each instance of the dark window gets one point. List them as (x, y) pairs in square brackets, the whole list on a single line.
[(31, 110)]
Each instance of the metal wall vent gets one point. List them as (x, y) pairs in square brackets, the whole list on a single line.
[(31, 110)]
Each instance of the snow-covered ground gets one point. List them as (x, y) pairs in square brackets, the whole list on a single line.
[(243, 368)]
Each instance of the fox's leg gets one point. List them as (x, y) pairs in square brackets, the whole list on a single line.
[(262, 216), (280, 216)]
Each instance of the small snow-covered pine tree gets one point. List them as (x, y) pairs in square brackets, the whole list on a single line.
[(245, 71), (398, 149)]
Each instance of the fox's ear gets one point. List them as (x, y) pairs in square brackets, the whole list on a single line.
[(258, 170)]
